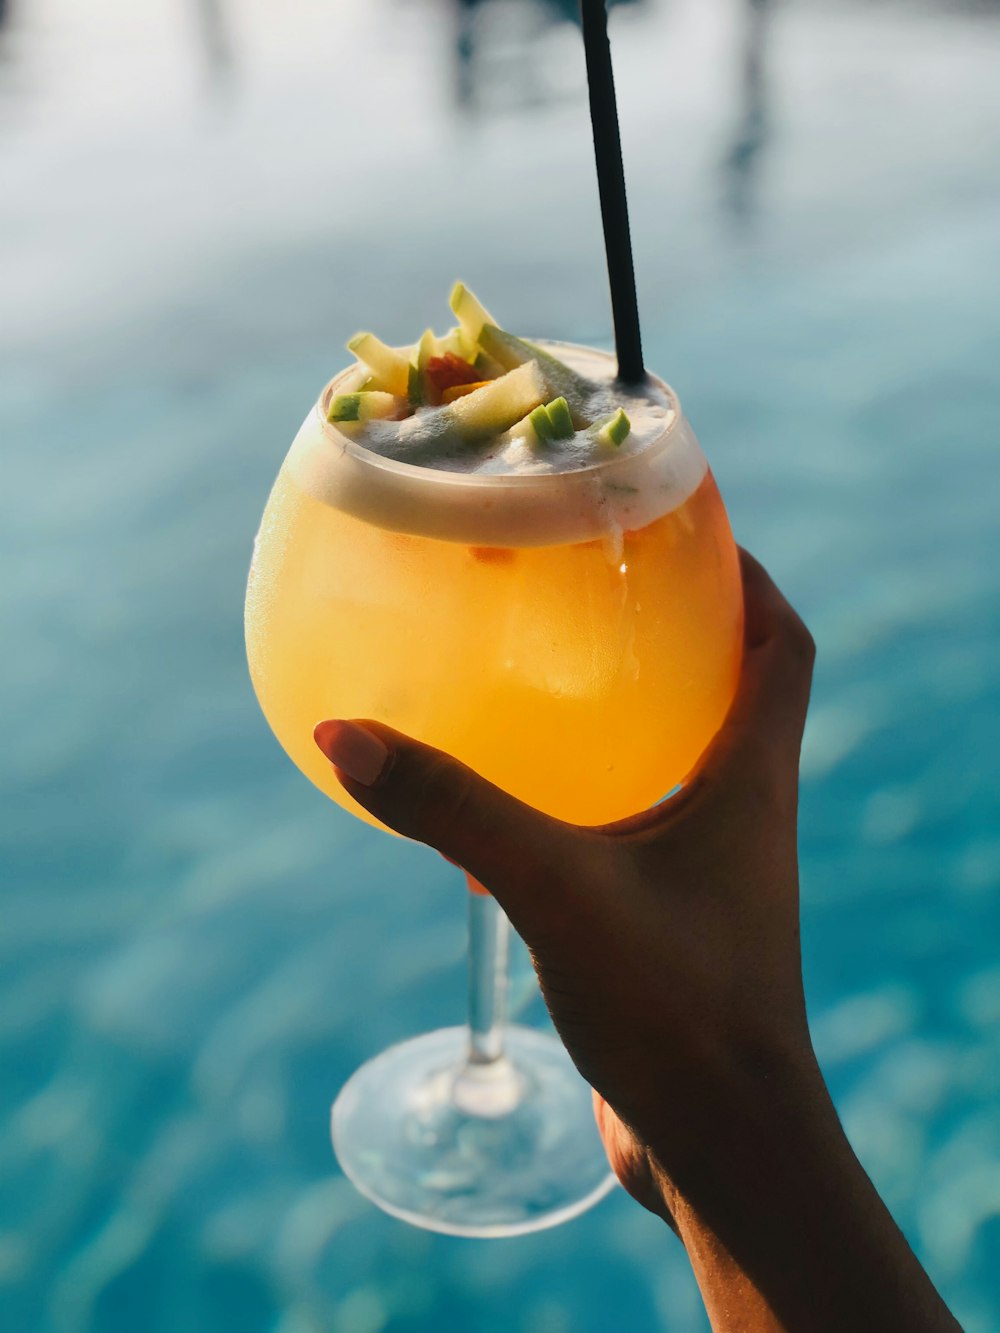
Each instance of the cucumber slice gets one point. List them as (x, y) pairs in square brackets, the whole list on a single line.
[(470, 313), (387, 364), (365, 406), (490, 410), (561, 381), (614, 429)]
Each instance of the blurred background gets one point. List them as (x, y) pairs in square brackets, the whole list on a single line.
[(200, 200)]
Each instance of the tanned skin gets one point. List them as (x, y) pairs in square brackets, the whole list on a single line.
[(667, 947)]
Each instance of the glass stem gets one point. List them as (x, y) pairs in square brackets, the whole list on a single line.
[(489, 936)]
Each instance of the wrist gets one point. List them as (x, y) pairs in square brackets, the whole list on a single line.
[(736, 1115), (777, 1214)]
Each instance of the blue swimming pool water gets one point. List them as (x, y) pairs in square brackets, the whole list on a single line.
[(199, 205)]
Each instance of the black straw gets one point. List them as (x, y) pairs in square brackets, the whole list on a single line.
[(611, 185)]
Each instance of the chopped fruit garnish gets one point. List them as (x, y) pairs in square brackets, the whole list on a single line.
[(475, 381), (460, 390), (503, 347), (487, 367), (553, 421), (425, 348), (389, 367), (470, 313), (419, 390), (456, 340), (368, 406), (444, 372), (416, 390), (525, 430), (560, 419), (540, 424), (562, 382), (500, 403), (358, 381), (615, 429)]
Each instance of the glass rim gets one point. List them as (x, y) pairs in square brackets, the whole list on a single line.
[(442, 476)]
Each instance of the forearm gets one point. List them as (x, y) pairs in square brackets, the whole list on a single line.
[(784, 1230)]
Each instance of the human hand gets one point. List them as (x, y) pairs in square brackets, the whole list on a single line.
[(667, 947), (666, 944)]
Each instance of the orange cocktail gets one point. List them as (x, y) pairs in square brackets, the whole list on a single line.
[(519, 623), (501, 549)]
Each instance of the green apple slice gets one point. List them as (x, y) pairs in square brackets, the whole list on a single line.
[(507, 350), (552, 421), (541, 425), (456, 340), (358, 380), (487, 367), (389, 365), (416, 385), (562, 382), (496, 406), (470, 313), (525, 430), (371, 405), (560, 419), (424, 348), (614, 430)]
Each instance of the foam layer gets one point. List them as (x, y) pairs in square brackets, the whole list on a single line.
[(509, 497)]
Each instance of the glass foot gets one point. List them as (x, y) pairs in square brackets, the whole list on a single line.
[(496, 1149)]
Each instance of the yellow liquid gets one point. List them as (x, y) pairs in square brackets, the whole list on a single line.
[(587, 679)]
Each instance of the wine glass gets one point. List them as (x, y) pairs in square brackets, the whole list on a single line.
[(572, 636)]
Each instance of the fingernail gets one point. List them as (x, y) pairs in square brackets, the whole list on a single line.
[(355, 750)]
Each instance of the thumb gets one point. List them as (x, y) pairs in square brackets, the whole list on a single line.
[(517, 852)]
